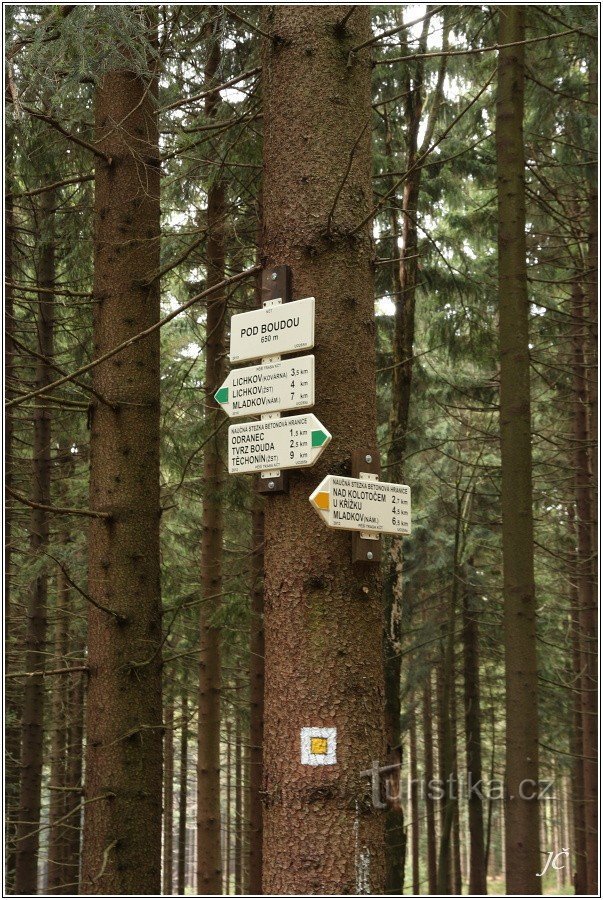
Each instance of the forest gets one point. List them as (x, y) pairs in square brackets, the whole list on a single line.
[(301, 449)]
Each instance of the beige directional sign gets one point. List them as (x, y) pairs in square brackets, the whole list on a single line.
[(286, 443), (270, 387), (355, 504)]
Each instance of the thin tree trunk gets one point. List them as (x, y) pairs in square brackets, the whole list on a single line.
[(75, 751), (586, 590), (256, 695), (238, 848), (473, 738), (577, 774), (521, 674), (32, 723), (11, 732), (122, 822), (58, 744), (432, 872), (228, 828), (209, 856), (168, 801), (457, 879), (414, 801), (183, 793), (319, 673)]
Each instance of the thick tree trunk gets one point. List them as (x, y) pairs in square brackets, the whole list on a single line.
[(587, 598), (323, 614), (182, 793), (521, 674), (473, 738), (122, 822), (256, 695), (32, 722), (209, 856), (168, 800), (432, 870)]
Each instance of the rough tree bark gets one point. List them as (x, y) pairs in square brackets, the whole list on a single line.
[(473, 739), (32, 722), (122, 822), (323, 615), (519, 604), (209, 855)]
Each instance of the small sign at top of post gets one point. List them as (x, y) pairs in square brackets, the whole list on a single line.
[(273, 330)]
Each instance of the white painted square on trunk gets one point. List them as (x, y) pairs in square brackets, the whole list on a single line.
[(318, 746)]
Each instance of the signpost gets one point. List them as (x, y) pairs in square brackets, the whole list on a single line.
[(272, 330), (274, 444), (357, 504), (270, 387)]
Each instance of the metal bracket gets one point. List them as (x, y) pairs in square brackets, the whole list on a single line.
[(276, 288), (366, 545)]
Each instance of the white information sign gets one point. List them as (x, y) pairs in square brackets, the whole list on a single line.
[(287, 443), (356, 504), (272, 330), (270, 387)]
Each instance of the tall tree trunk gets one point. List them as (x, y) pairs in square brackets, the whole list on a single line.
[(256, 695), (182, 793), (432, 871), (586, 590), (168, 800), (323, 614), (32, 722), (414, 801), (592, 293), (209, 856), (122, 822), (11, 727), (473, 738), (521, 674)]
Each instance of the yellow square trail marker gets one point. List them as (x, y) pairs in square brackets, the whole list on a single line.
[(318, 746)]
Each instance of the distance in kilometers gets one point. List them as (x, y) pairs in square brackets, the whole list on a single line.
[(288, 443), (272, 330), (356, 504), (270, 387)]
